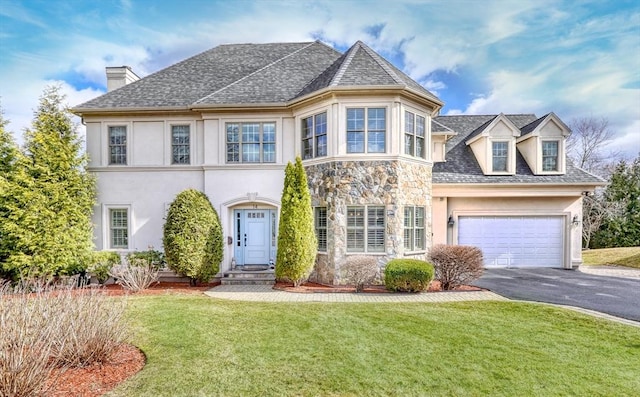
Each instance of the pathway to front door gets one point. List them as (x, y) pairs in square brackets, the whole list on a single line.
[(254, 232)]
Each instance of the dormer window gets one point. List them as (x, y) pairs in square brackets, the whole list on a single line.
[(500, 156), (549, 155)]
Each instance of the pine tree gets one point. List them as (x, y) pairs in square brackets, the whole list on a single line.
[(297, 244), (49, 216), (9, 154)]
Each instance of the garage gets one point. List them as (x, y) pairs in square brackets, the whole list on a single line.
[(525, 241)]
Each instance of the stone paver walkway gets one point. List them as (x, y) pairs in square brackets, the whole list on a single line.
[(611, 271), (266, 293)]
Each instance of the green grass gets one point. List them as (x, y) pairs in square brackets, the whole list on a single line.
[(624, 256), (199, 346)]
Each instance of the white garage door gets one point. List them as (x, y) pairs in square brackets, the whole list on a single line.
[(515, 240)]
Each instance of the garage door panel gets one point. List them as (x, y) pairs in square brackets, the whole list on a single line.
[(515, 240)]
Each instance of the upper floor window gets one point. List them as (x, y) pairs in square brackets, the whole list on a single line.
[(500, 155), (314, 136), (180, 146), (118, 145), (414, 135), (414, 235), (365, 229), (118, 228), (549, 155), (321, 227), (251, 142), (366, 129)]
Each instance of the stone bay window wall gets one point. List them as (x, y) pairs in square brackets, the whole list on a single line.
[(367, 189)]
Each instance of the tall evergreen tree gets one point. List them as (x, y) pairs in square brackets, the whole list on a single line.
[(9, 154), (49, 217), (297, 244)]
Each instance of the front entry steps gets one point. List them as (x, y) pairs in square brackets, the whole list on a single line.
[(249, 276)]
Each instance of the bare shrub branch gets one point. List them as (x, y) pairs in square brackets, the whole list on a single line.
[(135, 276), (456, 265), (361, 270)]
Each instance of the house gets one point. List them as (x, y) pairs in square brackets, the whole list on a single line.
[(389, 177)]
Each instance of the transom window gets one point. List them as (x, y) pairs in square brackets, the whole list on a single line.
[(118, 228), (365, 229), (321, 227), (180, 145), (414, 236), (251, 142), (118, 145), (366, 129), (500, 154), (549, 155), (414, 135), (314, 136)]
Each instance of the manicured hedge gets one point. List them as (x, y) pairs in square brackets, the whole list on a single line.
[(408, 275)]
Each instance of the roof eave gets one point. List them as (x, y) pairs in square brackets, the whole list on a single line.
[(80, 111)]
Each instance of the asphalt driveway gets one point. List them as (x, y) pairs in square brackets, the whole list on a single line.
[(618, 297)]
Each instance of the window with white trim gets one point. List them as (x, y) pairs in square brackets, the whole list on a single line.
[(500, 156), (118, 228), (414, 135), (365, 229), (118, 145), (251, 142), (321, 227), (180, 144), (414, 235), (550, 156), (366, 130), (314, 136)]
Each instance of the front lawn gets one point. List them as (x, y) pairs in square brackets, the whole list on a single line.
[(199, 346), (624, 256)]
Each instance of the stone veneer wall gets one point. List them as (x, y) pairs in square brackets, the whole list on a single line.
[(394, 184)]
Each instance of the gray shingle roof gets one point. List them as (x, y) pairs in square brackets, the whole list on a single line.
[(237, 74), (462, 167)]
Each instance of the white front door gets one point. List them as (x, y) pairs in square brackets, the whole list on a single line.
[(253, 233)]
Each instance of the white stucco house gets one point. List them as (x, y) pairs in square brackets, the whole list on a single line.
[(389, 177)]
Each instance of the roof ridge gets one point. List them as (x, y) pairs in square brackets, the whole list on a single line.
[(309, 44), (335, 80), (440, 124), (382, 64)]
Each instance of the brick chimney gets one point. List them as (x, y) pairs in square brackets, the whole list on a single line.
[(119, 76)]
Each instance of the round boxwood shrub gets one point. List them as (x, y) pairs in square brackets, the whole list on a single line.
[(408, 275), (193, 237)]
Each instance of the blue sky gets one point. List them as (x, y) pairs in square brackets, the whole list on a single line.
[(575, 58)]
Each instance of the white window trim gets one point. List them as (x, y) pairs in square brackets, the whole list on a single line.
[(313, 137), (325, 228), (511, 163), (365, 228), (366, 128), (413, 227), (561, 156), (106, 226), (106, 153), (168, 138), (277, 137)]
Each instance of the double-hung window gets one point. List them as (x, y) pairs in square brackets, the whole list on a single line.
[(365, 229), (180, 144), (414, 135), (366, 130), (500, 156), (251, 142), (321, 227), (118, 228), (314, 136), (118, 145), (549, 155), (414, 235)]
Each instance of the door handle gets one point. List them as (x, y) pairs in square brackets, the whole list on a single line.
[(245, 239)]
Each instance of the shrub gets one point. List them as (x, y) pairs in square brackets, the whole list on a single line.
[(193, 237), (151, 258), (135, 277), (360, 270), (49, 327), (408, 275), (297, 244), (101, 264), (456, 265)]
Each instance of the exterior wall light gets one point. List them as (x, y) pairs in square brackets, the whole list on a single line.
[(451, 222), (575, 221)]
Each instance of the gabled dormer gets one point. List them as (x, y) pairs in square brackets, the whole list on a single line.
[(494, 146), (440, 134), (542, 144)]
